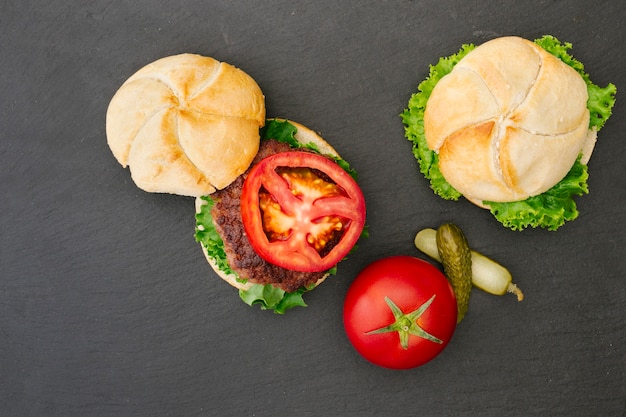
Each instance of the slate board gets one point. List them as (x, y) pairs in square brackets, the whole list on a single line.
[(107, 307)]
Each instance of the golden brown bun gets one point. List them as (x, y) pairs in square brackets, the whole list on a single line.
[(508, 121), (186, 124), (304, 135)]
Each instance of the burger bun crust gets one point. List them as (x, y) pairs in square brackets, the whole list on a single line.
[(186, 124), (508, 122)]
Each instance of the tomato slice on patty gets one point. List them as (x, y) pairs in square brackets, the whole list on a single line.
[(301, 211)]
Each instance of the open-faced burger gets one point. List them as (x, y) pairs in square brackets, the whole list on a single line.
[(282, 227), (277, 208)]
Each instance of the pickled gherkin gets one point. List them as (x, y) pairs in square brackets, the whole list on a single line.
[(487, 274), (457, 264)]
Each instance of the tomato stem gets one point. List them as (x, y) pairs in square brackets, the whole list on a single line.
[(406, 324)]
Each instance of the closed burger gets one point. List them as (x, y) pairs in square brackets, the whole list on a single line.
[(510, 125)]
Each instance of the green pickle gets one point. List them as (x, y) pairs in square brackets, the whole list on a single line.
[(457, 264)]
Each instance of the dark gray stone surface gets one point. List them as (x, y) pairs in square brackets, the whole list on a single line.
[(107, 307)]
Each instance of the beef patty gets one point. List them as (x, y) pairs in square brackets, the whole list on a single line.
[(241, 256)]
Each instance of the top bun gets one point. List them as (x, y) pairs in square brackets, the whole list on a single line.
[(508, 121), (186, 124)]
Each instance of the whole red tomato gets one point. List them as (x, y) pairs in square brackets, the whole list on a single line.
[(400, 312)]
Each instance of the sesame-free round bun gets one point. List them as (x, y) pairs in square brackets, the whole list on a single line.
[(186, 124), (303, 135), (508, 121)]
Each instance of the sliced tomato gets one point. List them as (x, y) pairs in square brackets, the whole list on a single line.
[(301, 211)]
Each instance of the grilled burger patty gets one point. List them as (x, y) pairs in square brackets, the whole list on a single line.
[(241, 256)]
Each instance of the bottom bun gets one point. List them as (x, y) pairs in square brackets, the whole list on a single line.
[(304, 135)]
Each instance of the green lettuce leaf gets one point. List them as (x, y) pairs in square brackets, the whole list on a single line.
[(549, 210), (413, 119), (209, 238), (283, 131), (267, 297)]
